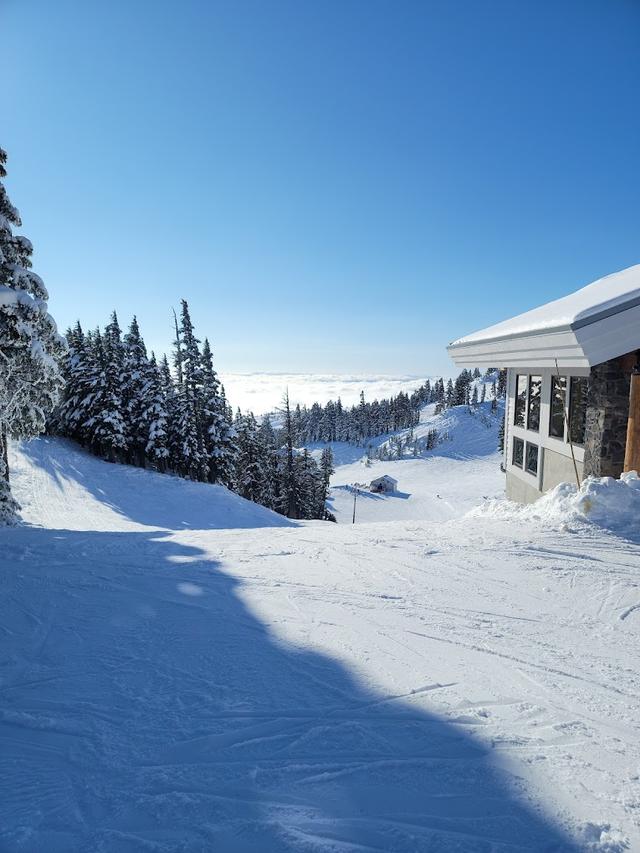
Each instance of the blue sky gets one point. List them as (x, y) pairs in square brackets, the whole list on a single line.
[(334, 186)]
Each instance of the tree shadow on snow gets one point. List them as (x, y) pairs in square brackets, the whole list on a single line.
[(146, 708)]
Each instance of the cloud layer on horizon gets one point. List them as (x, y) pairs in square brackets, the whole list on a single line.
[(262, 392)]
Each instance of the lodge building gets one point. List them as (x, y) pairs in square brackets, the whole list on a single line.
[(573, 385)]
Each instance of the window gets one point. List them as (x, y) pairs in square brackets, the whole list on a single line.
[(521, 400), (533, 409), (532, 458), (557, 403), (517, 457), (577, 408)]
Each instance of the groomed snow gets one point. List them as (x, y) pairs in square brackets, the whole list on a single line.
[(601, 295), (446, 483), (467, 685)]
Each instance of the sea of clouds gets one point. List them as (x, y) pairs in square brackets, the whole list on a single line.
[(262, 392)]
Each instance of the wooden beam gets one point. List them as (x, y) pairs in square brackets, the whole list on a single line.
[(632, 449)]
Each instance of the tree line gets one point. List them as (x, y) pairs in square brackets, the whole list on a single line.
[(123, 404), (356, 424)]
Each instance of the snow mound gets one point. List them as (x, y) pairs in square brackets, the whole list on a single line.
[(601, 838), (604, 501)]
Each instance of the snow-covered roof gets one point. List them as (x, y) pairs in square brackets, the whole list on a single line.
[(596, 323), (386, 477)]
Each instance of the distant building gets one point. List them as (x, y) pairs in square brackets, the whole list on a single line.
[(383, 484), (573, 382)]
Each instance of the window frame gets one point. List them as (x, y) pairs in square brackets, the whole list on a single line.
[(518, 399), (543, 437), (554, 379), (525, 467), (520, 441), (540, 379), (569, 423)]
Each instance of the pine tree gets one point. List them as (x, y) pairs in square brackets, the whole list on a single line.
[(190, 401), (104, 427), (289, 492), (170, 399), (70, 416), (155, 416), (218, 432), (502, 382), (494, 398), (114, 436), (308, 487), (326, 466), (136, 374), (30, 347), (252, 476), (450, 394)]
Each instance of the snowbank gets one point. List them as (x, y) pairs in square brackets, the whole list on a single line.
[(604, 501)]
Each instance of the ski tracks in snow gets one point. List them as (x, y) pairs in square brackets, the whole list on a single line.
[(467, 686)]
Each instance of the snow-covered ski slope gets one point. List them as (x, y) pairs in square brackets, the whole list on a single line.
[(415, 686), (443, 484)]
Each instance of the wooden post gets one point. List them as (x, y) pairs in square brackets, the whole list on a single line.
[(632, 450)]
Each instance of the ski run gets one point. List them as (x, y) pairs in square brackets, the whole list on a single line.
[(183, 670)]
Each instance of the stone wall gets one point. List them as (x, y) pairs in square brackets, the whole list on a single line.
[(607, 414)]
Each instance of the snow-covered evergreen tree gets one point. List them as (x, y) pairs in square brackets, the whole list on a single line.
[(155, 416), (30, 346), (170, 400), (218, 432), (134, 390), (288, 497), (252, 476), (326, 466), (191, 399), (105, 427)]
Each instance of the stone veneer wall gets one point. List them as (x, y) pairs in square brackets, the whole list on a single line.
[(607, 414)]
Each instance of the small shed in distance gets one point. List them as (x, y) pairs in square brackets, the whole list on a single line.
[(383, 484)]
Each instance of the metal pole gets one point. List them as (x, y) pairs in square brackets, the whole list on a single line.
[(568, 423), (355, 497)]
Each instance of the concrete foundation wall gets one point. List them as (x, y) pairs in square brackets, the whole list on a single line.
[(558, 468), (520, 491)]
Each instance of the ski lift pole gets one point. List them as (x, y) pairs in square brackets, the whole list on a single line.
[(355, 498)]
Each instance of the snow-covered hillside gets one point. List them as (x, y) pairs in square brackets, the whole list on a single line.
[(59, 485), (460, 472), (415, 686)]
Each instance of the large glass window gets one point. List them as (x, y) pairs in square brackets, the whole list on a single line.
[(517, 457), (556, 414), (578, 408), (521, 400), (532, 458), (533, 409)]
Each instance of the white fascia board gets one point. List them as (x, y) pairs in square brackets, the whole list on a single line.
[(582, 345), (530, 350), (611, 336)]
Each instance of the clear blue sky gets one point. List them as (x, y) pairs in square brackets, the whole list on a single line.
[(334, 186)]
